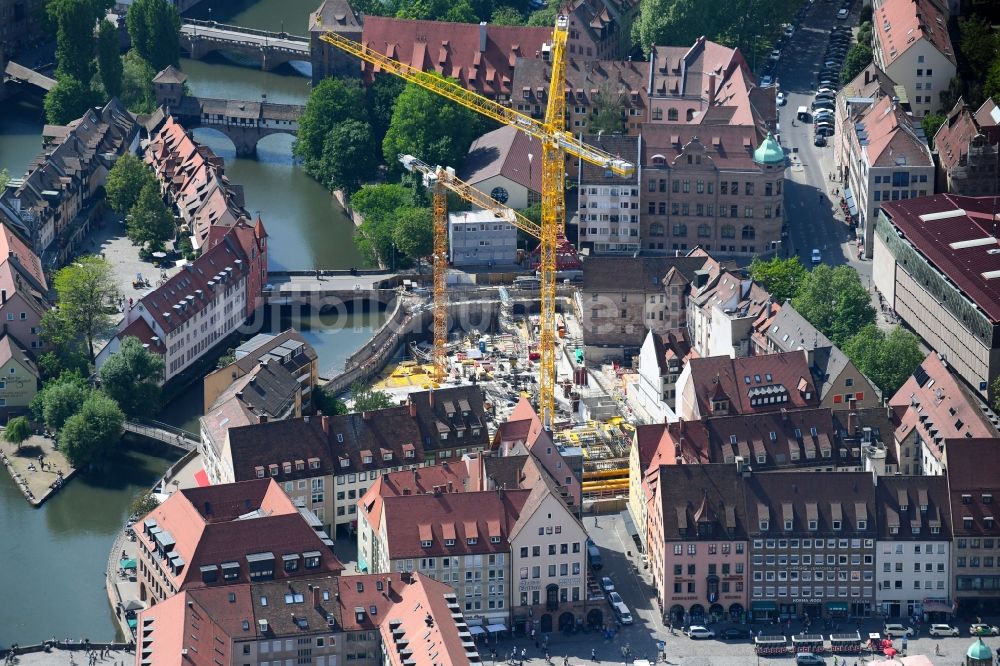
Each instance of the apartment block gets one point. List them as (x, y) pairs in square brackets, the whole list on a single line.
[(608, 214), (480, 238), (967, 150)]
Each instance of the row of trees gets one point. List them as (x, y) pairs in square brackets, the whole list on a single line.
[(133, 192), (838, 305), (859, 55), (507, 12), (90, 67), (398, 226)]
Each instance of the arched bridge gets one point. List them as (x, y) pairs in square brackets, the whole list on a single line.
[(271, 49), (245, 123)]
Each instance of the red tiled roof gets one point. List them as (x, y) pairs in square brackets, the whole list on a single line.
[(952, 139), (726, 146), (12, 247), (974, 270), (892, 140), (899, 24), (453, 49), (753, 378), (147, 336), (504, 152)]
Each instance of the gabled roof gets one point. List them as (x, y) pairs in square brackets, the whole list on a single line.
[(480, 57), (504, 152), (973, 470), (170, 74), (939, 407), (11, 348), (773, 440), (286, 347), (754, 384), (443, 477), (890, 137), (899, 24), (870, 82), (959, 129), (844, 497), (684, 489), (644, 274), (13, 248), (913, 505), (726, 146), (625, 147)]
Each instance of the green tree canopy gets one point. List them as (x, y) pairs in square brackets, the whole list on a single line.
[(137, 83), (377, 205), (131, 377), (4, 179), (506, 15), (609, 116), (154, 27), (980, 47), (545, 18), (414, 231), (931, 123), (74, 21), (430, 127), (109, 59), (367, 399), (126, 181), (460, 12), (350, 156), (67, 353), (18, 429), (149, 220), (59, 399), (331, 102), (68, 100), (885, 359), (92, 433), (991, 87), (858, 57), (834, 301), (86, 290), (380, 97), (142, 504), (780, 277)]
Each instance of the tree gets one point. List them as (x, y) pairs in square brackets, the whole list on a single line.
[(68, 100), (834, 301), (506, 15), (349, 156), (545, 18), (74, 20), (93, 432), (331, 102), (125, 182), (367, 399), (137, 83), (995, 391), (991, 87), (380, 98), (67, 353), (18, 429), (131, 377), (378, 202), (149, 220), (142, 504), (858, 57), (866, 14), (780, 277), (887, 360), (930, 124), (430, 127), (609, 111), (461, 12), (413, 233), (327, 403), (86, 289), (59, 399), (154, 27), (109, 59), (979, 45)]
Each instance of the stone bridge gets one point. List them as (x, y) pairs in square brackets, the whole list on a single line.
[(244, 122), (270, 49)]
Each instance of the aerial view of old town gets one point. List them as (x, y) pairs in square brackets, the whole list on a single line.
[(507, 332)]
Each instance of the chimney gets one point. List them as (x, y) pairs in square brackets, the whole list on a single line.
[(208, 508), (852, 423), (868, 76), (3, 296), (325, 420), (413, 409), (482, 37), (711, 89), (451, 487), (262, 418), (317, 597)]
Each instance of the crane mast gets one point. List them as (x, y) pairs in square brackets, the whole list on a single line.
[(556, 143)]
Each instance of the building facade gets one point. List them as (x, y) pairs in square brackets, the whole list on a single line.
[(608, 215), (967, 146), (480, 238)]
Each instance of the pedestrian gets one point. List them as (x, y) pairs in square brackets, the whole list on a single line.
[(593, 654)]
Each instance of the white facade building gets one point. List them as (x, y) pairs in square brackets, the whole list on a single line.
[(480, 238)]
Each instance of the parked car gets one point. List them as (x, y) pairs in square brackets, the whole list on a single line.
[(819, 141), (780, 99), (621, 611), (697, 631), (825, 130), (825, 90), (983, 630), (766, 80), (816, 256), (607, 585), (842, 14), (789, 30), (776, 54), (942, 630), (809, 659), (893, 630), (734, 634)]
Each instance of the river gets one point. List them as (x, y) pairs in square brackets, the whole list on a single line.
[(52, 559)]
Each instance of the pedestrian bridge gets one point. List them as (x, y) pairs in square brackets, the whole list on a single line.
[(270, 49), (21, 74), (244, 122), (163, 432)]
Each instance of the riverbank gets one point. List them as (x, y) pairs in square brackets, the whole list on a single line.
[(38, 469)]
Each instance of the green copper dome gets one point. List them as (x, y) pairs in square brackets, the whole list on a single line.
[(979, 651), (769, 152)]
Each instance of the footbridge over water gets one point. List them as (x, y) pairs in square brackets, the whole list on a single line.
[(244, 122), (16, 73), (270, 49)]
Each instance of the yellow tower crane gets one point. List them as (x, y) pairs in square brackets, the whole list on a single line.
[(555, 140), (437, 180)]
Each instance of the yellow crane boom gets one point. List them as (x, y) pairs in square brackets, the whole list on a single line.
[(555, 140)]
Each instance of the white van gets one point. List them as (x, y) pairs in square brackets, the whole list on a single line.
[(622, 612), (802, 113)]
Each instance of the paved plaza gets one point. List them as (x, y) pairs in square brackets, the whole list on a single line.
[(36, 466), (61, 657)]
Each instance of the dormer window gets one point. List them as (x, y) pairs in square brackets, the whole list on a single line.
[(762, 458), (260, 472), (862, 525), (788, 526), (798, 433), (409, 454), (314, 463), (836, 525), (967, 522), (813, 525), (272, 470), (894, 529), (732, 439), (987, 498), (763, 525), (387, 456), (966, 498), (345, 462), (367, 460), (988, 521), (472, 541), (449, 542), (444, 436), (495, 539), (813, 432), (425, 544), (774, 436), (935, 530)]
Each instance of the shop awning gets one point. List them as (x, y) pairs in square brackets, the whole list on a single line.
[(496, 628), (852, 206), (836, 607), (132, 623), (127, 564), (475, 631), (763, 605), (937, 607)]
